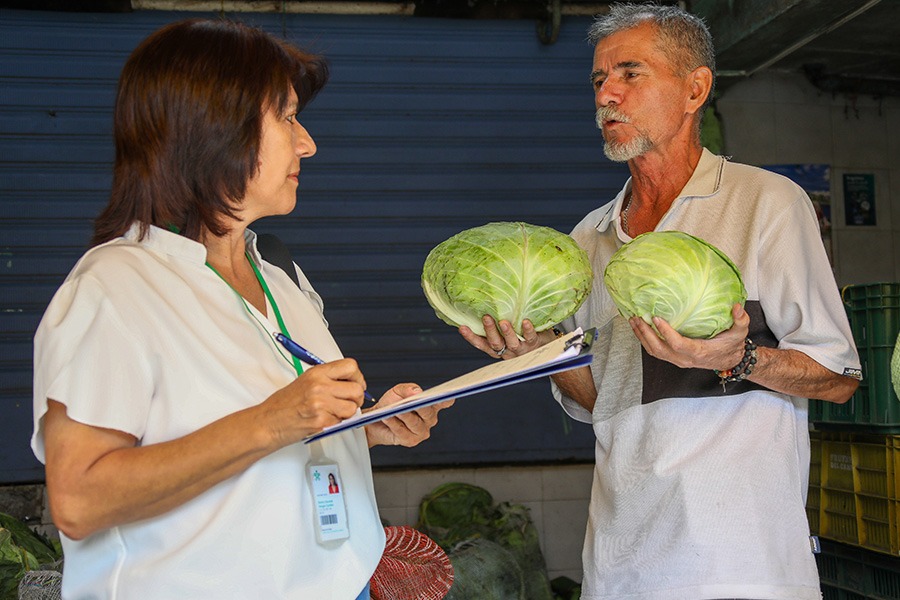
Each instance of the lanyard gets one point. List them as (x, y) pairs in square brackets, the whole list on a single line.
[(297, 365)]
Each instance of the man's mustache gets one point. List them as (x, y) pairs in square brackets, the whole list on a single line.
[(608, 113)]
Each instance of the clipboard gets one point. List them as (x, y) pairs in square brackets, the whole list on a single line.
[(570, 351)]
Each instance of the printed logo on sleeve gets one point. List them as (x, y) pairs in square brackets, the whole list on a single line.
[(854, 373)]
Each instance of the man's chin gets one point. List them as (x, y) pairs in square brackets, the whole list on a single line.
[(625, 152), (617, 154)]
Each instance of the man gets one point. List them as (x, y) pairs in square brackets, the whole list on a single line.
[(699, 488)]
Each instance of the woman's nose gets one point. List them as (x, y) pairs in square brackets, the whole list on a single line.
[(305, 145)]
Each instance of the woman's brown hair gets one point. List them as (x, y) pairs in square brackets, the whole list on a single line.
[(188, 122)]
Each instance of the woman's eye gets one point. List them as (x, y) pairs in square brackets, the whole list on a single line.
[(291, 118)]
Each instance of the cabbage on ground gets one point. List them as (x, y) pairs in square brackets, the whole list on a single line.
[(507, 270), (673, 275), (494, 547)]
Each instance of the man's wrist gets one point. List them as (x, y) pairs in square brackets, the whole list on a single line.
[(743, 368)]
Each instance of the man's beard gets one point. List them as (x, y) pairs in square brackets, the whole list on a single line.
[(625, 151)]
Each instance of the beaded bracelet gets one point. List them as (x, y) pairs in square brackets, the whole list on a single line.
[(743, 369)]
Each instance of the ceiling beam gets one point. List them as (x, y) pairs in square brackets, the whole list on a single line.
[(751, 35)]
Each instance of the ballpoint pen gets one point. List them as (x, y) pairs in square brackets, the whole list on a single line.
[(305, 355)]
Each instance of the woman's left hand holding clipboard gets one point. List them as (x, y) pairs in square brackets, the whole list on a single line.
[(405, 429)]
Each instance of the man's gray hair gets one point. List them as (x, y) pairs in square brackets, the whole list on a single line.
[(683, 37)]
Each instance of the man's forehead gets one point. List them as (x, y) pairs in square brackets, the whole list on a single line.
[(638, 41), (628, 49)]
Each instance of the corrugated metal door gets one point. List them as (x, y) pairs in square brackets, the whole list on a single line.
[(428, 127)]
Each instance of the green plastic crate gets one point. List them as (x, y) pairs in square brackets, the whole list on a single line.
[(875, 321), (847, 573), (874, 313)]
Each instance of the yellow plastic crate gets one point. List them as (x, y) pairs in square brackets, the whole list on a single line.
[(815, 458), (837, 461), (838, 519), (837, 502), (875, 487), (813, 508), (894, 442), (895, 453), (859, 492), (814, 494)]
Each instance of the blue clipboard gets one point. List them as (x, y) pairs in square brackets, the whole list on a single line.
[(570, 351)]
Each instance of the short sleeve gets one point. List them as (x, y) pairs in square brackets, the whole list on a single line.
[(802, 302), (86, 358)]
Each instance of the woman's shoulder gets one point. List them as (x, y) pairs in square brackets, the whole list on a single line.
[(118, 261), (123, 271)]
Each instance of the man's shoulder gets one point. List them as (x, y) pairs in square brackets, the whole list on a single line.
[(743, 175)]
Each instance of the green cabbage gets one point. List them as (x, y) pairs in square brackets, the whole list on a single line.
[(22, 550), (895, 367), (511, 271), (683, 279)]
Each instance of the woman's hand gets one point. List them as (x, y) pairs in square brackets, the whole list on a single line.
[(719, 353), (500, 339), (406, 429), (323, 395)]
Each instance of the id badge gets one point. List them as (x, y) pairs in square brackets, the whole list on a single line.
[(328, 502)]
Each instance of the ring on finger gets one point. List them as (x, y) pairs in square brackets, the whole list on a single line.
[(501, 351)]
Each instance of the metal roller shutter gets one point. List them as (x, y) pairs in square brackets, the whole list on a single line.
[(427, 127)]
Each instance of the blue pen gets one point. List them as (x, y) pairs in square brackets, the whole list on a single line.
[(305, 355)]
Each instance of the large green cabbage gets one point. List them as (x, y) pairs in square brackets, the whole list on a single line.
[(683, 279), (511, 271)]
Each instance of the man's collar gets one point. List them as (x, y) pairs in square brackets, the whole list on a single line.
[(704, 182), (707, 177)]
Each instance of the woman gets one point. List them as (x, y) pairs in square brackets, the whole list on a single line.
[(332, 484), (168, 417)]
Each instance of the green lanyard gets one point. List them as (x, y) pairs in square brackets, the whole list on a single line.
[(298, 366)]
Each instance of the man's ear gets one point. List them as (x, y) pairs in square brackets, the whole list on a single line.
[(701, 81)]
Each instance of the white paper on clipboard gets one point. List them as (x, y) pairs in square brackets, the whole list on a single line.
[(570, 351)]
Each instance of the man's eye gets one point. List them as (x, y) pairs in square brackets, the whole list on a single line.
[(598, 83)]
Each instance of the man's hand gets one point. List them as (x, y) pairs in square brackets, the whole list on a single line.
[(500, 339), (718, 353)]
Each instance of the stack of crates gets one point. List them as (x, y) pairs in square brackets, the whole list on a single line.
[(874, 312), (849, 573), (854, 493)]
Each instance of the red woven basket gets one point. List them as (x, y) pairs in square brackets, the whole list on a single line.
[(413, 567)]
